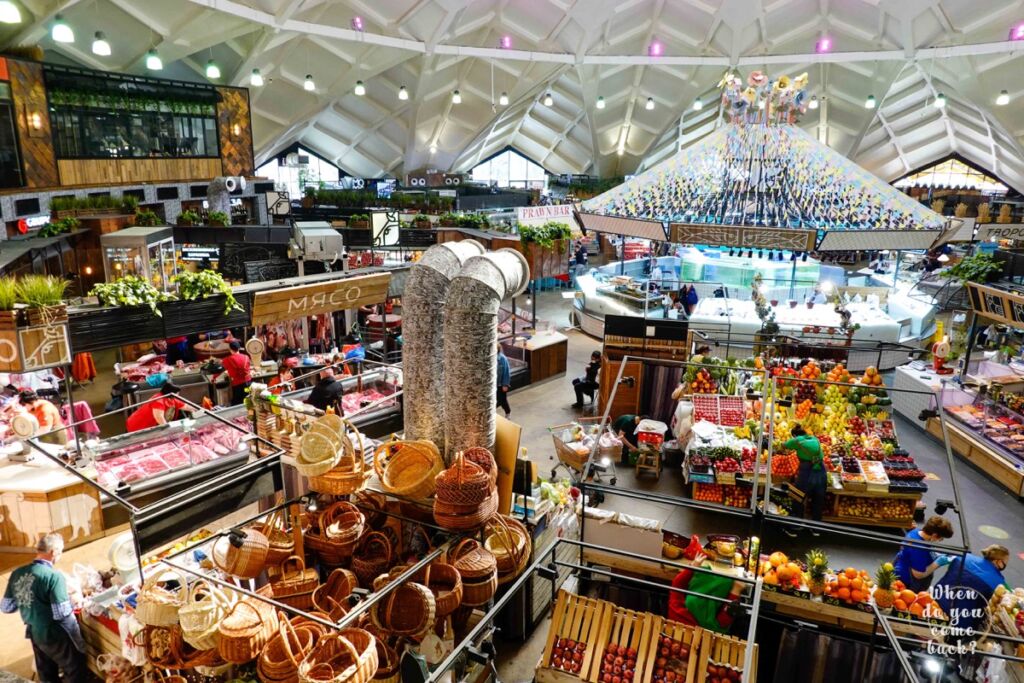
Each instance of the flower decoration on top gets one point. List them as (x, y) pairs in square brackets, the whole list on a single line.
[(764, 100)]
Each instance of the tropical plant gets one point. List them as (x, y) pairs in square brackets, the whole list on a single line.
[(40, 291), (189, 216), (218, 218), (206, 283), (146, 218), (130, 290), (8, 293), (544, 235), (977, 267), (817, 569)]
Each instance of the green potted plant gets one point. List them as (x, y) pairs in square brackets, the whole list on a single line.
[(59, 227), (129, 203), (43, 295), (218, 218), (188, 217), (359, 221), (146, 218), (130, 290), (8, 303), (204, 284), (448, 220), (421, 221), (309, 196), (978, 267)]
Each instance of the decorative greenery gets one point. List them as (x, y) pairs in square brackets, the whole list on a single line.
[(977, 267), (130, 290), (126, 204), (218, 218), (39, 291), (124, 102), (474, 221), (765, 312), (59, 227), (368, 198), (189, 216), (421, 218), (544, 235), (146, 218), (206, 283), (8, 293), (449, 218), (129, 203), (359, 217)]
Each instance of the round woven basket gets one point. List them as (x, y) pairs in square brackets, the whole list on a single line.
[(464, 483), (334, 537), (484, 458), (509, 541), (158, 604), (445, 582), (348, 656), (201, 614), (372, 505), (331, 597), (349, 474), (318, 454), (408, 610), (372, 558), (455, 517), (388, 664), (281, 545), (479, 591), (472, 560), (246, 557), (244, 632), (408, 468), (279, 660)]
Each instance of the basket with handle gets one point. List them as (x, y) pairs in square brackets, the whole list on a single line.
[(349, 474), (245, 630), (348, 656), (338, 587), (372, 558), (408, 468), (279, 660), (479, 455), (445, 582), (157, 604), (296, 583), (509, 541), (408, 610), (463, 484), (161, 645), (318, 454), (338, 530), (389, 668), (189, 657), (200, 616), (372, 505), (478, 569), (242, 553), (466, 517), (280, 543)]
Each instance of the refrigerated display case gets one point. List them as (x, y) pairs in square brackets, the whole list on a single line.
[(379, 388), (147, 252)]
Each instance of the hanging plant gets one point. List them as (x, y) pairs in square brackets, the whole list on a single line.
[(204, 284), (764, 311), (977, 267), (130, 290), (544, 235)]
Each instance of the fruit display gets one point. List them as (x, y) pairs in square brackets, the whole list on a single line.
[(778, 570), (705, 408), (785, 464), (920, 605), (871, 377), (817, 571), (839, 375), (885, 584), (874, 475), (1009, 606), (850, 587), (736, 496), (723, 674), (618, 665), (671, 663), (803, 409), (708, 493), (731, 411), (703, 383), (875, 508), (567, 655)]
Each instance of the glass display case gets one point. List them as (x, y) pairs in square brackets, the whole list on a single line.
[(147, 252), (992, 420)]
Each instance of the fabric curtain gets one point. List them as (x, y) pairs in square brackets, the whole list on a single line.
[(811, 657), (659, 383)]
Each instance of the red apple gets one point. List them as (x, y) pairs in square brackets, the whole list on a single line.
[(665, 652), (609, 658), (556, 661), (570, 644), (670, 676), (662, 661), (616, 679), (631, 653), (619, 661), (575, 668), (621, 651), (607, 678), (630, 663), (627, 674)]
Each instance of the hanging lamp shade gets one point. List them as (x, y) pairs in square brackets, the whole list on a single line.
[(153, 61), (60, 31), (212, 70)]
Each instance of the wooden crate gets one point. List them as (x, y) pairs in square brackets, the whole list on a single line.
[(625, 628), (719, 650), (575, 618), (690, 636)]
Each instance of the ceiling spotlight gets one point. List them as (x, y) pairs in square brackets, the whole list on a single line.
[(100, 46), (403, 94), (360, 89), (308, 84), (433, 149), (813, 104), (600, 102), (456, 97), (61, 32), (823, 45), (9, 13), (1003, 98), (506, 42), (697, 105), (154, 63), (655, 49), (869, 103), (750, 254), (1017, 32), (503, 99), (940, 101), (256, 79), (212, 70), (650, 104), (357, 23), (548, 100)]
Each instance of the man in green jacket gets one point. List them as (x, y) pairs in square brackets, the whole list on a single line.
[(811, 477), (38, 592)]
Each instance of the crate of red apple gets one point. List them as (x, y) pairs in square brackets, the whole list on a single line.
[(625, 639), (571, 648)]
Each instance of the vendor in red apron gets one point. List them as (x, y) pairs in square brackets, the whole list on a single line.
[(238, 368), (159, 410)]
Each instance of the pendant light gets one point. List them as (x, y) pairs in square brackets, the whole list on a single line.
[(100, 46), (154, 63), (403, 94), (503, 99), (212, 70), (600, 102), (256, 79), (9, 13), (456, 97), (1003, 98), (548, 100), (869, 103), (433, 149), (697, 105), (940, 101), (650, 104), (360, 89), (309, 85), (813, 104), (61, 32)]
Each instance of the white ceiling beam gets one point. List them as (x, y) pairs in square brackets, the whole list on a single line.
[(140, 15), (36, 30)]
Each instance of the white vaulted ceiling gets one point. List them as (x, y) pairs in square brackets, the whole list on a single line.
[(895, 50)]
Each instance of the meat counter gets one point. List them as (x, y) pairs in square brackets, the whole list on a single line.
[(368, 387)]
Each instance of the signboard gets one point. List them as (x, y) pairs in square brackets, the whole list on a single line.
[(385, 228), (319, 297), (195, 252), (997, 304), (999, 231), (740, 236), (34, 348), (539, 215)]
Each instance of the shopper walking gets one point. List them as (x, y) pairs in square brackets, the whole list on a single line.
[(504, 381), (327, 392), (811, 477), (964, 590), (915, 565), (39, 594), (587, 385), (238, 367), (51, 426), (159, 410)]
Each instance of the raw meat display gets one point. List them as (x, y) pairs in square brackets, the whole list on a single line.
[(355, 400)]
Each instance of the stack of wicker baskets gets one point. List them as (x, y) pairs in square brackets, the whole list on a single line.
[(349, 473), (478, 570), (336, 533), (408, 468), (466, 496), (508, 540), (280, 658), (348, 656)]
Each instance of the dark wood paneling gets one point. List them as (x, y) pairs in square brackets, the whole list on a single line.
[(127, 171), (29, 94), (234, 126)]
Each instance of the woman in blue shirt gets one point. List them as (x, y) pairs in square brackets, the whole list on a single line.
[(914, 564), (504, 381), (968, 584)]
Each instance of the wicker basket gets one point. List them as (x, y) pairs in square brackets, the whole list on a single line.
[(372, 505), (245, 630), (484, 458), (158, 605), (463, 484), (348, 656), (216, 669), (389, 668), (408, 468), (349, 474), (331, 597), (162, 645), (279, 660), (478, 569), (458, 517), (445, 582), (336, 534), (201, 614), (509, 541), (243, 554), (295, 585), (281, 544), (373, 557), (317, 454), (408, 610), (479, 591)]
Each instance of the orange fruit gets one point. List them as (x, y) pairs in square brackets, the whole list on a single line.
[(851, 573), (908, 596), (777, 559), (771, 579), (843, 581), (857, 596), (784, 573), (843, 594), (917, 609), (924, 598), (900, 605), (856, 584)]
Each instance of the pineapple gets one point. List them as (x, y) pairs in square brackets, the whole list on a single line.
[(884, 579), (817, 568)]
